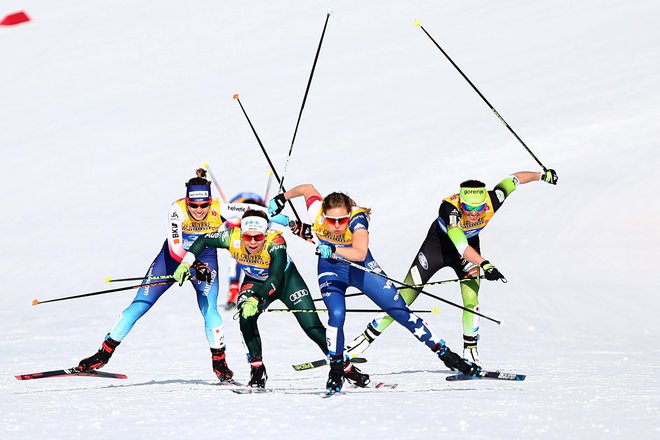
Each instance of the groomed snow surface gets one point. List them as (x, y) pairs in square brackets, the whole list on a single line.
[(108, 108)]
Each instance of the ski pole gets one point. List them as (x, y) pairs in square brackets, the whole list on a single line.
[(157, 277), (364, 269), (456, 280), (309, 83), (345, 296), (263, 149), (215, 181), (101, 292), (270, 182), (419, 23), (434, 310)]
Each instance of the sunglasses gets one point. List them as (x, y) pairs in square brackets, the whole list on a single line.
[(337, 220), (256, 237), (199, 205), (471, 208)]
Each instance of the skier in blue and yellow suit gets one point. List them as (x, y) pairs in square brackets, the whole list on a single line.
[(190, 217), (342, 228)]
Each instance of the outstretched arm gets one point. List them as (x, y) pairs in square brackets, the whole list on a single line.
[(276, 204), (306, 190)]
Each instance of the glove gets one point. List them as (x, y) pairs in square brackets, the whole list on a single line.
[(202, 271), (248, 307), (181, 274), (490, 272), (276, 204), (280, 219), (302, 230), (325, 250), (549, 176)]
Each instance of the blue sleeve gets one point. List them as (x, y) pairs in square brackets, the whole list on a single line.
[(359, 221)]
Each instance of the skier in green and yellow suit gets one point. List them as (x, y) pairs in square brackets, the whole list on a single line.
[(453, 241), (269, 275)]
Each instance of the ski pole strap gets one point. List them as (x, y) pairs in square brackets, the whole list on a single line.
[(364, 269)]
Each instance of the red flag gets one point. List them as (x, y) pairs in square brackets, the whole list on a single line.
[(15, 18)]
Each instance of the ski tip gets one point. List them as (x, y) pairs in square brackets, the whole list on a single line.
[(205, 165), (35, 302), (235, 96), (435, 310), (418, 22), (108, 279)]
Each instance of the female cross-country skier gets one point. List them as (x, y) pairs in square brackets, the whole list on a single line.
[(270, 275), (342, 228), (453, 241), (189, 217), (234, 274)]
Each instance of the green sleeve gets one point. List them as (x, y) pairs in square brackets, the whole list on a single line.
[(213, 239), (507, 186), (278, 261), (457, 236)]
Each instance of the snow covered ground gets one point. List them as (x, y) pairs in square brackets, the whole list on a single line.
[(108, 108)]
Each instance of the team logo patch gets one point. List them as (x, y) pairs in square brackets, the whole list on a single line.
[(423, 261)]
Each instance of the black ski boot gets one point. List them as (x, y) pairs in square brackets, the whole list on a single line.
[(455, 362), (355, 376), (258, 376), (336, 376), (101, 357), (220, 367)]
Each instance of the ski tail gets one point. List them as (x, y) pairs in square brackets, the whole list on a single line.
[(485, 374), (70, 372)]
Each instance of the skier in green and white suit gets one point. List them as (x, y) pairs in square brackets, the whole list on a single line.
[(453, 241)]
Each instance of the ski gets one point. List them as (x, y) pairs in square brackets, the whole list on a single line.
[(251, 390), (70, 372), (484, 374), (322, 363), (229, 383), (386, 385)]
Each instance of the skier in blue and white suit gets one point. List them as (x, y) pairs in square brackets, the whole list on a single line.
[(342, 228)]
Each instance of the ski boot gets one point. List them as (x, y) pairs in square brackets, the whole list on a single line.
[(336, 376), (220, 367), (362, 342), (355, 376), (101, 357), (470, 351), (454, 361), (232, 295), (258, 376)]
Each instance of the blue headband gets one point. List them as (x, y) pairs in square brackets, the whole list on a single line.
[(198, 193)]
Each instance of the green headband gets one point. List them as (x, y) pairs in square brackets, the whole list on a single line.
[(473, 196)]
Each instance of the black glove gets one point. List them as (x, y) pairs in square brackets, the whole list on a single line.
[(302, 230), (549, 176), (276, 204), (490, 272), (203, 272)]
